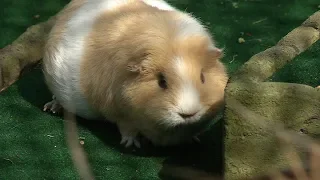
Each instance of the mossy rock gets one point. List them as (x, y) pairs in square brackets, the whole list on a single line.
[(251, 149)]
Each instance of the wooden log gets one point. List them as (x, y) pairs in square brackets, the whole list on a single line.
[(264, 64), (25, 51)]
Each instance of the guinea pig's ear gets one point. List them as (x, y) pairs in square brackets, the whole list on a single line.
[(134, 67), (215, 53), (212, 57), (201, 45), (137, 64)]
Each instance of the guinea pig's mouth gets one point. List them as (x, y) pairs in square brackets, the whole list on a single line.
[(176, 118), (175, 129), (191, 118)]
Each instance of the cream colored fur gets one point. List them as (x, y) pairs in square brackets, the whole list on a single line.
[(103, 59)]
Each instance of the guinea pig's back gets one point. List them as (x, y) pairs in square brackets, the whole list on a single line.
[(64, 52)]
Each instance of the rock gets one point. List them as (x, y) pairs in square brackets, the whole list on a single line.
[(251, 145)]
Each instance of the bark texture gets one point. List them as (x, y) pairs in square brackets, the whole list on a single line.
[(25, 51)]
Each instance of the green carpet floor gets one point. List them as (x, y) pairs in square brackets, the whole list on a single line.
[(32, 142)]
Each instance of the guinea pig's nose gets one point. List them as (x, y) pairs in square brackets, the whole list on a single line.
[(187, 115)]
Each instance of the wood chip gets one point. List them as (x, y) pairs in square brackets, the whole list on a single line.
[(241, 40), (235, 5)]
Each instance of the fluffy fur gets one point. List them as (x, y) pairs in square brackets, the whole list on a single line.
[(141, 64)]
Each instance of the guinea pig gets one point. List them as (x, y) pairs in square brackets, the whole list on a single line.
[(144, 65)]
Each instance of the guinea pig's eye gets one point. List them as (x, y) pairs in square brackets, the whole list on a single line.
[(202, 78), (162, 81)]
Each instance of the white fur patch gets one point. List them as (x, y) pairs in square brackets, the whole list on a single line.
[(189, 25), (189, 97), (160, 4), (68, 57), (180, 66)]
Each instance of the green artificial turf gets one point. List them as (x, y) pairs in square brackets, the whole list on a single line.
[(32, 142)]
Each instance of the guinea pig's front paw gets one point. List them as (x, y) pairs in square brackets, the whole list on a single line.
[(129, 141), (193, 140), (196, 139), (54, 106), (129, 134)]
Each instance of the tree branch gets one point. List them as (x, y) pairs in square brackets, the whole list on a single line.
[(262, 65), (26, 50)]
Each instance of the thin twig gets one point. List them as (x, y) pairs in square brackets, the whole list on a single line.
[(315, 161), (78, 154), (8, 160), (233, 58), (259, 21)]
